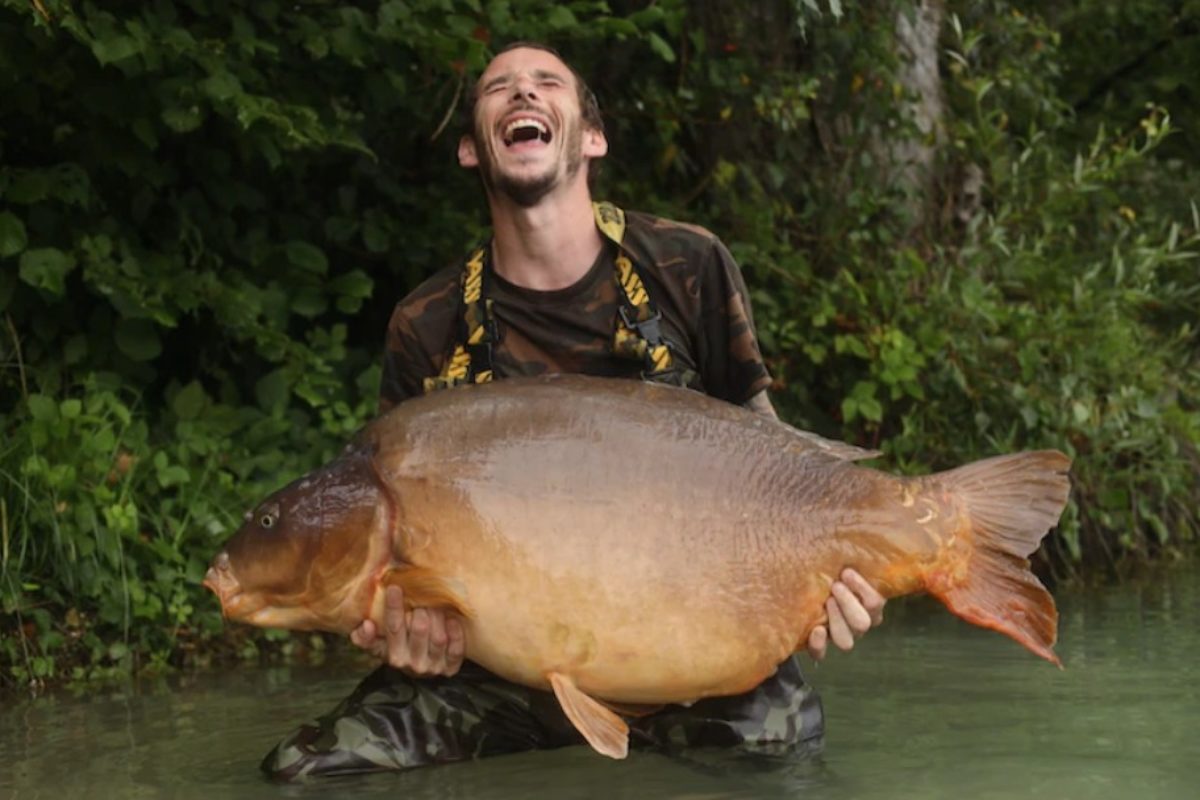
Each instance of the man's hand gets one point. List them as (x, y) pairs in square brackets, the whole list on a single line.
[(854, 607), (423, 643)]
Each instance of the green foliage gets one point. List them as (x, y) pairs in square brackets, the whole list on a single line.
[(208, 208), (206, 211)]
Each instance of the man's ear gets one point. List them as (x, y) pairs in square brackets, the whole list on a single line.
[(595, 143), (467, 157)]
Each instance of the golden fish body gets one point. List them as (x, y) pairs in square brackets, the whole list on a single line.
[(632, 542)]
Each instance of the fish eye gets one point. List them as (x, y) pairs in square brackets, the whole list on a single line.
[(269, 517)]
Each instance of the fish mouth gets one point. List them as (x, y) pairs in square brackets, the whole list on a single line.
[(220, 581)]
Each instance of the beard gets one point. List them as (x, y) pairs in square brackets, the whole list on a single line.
[(526, 191)]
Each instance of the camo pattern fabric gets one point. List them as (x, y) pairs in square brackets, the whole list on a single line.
[(393, 722), (693, 282)]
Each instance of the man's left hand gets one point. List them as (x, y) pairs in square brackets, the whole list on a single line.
[(854, 607)]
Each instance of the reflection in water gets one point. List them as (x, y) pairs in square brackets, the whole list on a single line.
[(926, 707)]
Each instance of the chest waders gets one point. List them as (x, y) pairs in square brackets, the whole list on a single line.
[(638, 334)]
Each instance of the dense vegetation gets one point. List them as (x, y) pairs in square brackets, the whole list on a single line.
[(208, 208)]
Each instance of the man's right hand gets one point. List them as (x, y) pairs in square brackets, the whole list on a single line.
[(424, 642)]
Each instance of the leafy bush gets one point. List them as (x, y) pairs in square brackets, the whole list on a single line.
[(208, 208)]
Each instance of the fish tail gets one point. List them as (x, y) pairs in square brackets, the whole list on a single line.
[(1012, 502)]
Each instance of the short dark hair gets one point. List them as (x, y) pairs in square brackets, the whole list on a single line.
[(588, 105)]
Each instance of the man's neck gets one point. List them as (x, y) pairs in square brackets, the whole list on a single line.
[(548, 246)]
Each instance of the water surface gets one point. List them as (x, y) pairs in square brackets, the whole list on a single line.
[(925, 707)]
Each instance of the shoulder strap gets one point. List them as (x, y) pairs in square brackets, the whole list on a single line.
[(471, 361), (638, 334)]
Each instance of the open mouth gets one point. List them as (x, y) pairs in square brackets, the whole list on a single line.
[(526, 129), (220, 581)]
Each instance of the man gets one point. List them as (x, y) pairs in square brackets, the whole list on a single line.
[(565, 285)]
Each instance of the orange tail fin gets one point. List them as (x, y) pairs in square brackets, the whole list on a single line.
[(1013, 501)]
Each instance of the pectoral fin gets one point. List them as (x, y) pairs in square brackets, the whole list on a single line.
[(635, 710), (604, 730), (425, 588)]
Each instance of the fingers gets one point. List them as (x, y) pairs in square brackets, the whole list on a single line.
[(818, 643), (422, 642), (456, 648), (853, 607), (418, 645), (839, 631), (870, 599), (857, 618), (436, 642), (395, 620), (366, 637)]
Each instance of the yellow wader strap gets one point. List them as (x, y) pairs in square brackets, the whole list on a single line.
[(638, 334), (471, 361)]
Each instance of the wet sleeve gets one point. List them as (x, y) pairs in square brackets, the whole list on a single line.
[(731, 363)]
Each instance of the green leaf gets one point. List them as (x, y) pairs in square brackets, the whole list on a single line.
[(12, 235), (221, 86), (659, 45), (46, 268), (272, 389), (173, 475), (138, 339), (307, 257), (183, 120), (561, 17), (109, 50), (375, 237), (28, 186), (42, 408), (355, 283), (189, 401), (309, 301)]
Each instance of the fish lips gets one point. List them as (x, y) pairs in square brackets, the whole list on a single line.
[(220, 581)]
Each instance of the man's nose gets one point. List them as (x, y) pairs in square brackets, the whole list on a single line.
[(524, 87)]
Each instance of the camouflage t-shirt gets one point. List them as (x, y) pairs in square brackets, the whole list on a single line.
[(692, 281)]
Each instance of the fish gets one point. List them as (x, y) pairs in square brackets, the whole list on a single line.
[(626, 544)]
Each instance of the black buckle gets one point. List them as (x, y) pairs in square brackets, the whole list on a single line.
[(647, 329)]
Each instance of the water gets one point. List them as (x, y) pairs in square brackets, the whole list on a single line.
[(925, 707)]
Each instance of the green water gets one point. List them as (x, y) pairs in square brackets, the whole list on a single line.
[(926, 707)]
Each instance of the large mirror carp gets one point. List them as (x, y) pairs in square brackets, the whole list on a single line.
[(622, 542)]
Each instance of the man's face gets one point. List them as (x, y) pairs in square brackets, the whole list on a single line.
[(529, 135)]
